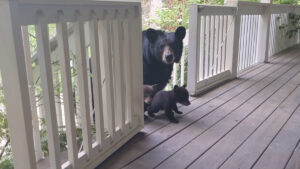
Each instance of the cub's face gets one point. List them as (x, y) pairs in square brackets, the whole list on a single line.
[(167, 47), (149, 91), (182, 95)]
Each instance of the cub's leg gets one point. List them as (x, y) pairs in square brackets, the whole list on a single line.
[(174, 107), (170, 115), (151, 111)]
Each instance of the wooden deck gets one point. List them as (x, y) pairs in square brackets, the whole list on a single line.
[(250, 122)]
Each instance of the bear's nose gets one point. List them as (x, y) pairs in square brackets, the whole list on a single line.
[(169, 57)]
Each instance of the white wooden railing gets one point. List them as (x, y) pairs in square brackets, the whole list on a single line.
[(115, 51), (210, 42), (225, 40), (248, 41)]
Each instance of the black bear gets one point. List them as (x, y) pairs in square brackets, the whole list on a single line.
[(160, 51), (166, 100)]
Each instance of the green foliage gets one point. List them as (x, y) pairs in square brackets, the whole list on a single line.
[(32, 38), (62, 138), (5, 149), (293, 27), (175, 13), (6, 163), (172, 15), (294, 2), (250, 0), (210, 2), (4, 135)]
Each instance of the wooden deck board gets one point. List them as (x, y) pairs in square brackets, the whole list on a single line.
[(250, 151), (221, 121), (164, 145), (294, 162), (278, 152), (232, 140)]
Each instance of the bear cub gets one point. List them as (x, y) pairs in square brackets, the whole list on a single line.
[(166, 100)]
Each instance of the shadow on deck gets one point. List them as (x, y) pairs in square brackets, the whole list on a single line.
[(252, 121)]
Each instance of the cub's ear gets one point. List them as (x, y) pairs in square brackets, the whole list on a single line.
[(152, 35), (184, 86), (176, 87), (180, 32)]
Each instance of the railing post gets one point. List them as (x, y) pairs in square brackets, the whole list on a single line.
[(263, 33), (35, 118), (193, 50), (233, 37), (13, 68)]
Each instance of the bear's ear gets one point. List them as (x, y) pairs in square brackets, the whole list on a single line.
[(184, 86), (180, 32), (151, 35)]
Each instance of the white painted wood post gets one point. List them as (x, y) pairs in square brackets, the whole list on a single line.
[(175, 69), (14, 78), (58, 103), (35, 118), (83, 85), (106, 59), (233, 34), (193, 64), (97, 84), (182, 67), (138, 118), (69, 109), (118, 72), (43, 49), (262, 48), (233, 37), (127, 61)]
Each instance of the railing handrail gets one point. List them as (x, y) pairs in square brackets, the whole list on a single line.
[(215, 9), (80, 2), (275, 8)]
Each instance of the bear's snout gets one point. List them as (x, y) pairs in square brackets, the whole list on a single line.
[(168, 56)]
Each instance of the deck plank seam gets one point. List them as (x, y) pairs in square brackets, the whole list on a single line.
[(293, 152), (227, 114), (256, 128), (245, 119), (275, 134)]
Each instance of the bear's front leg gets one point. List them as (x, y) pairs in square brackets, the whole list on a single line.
[(170, 115), (174, 107)]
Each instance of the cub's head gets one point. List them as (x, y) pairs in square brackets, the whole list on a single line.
[(182, 95), (149, 91), (166, 46)]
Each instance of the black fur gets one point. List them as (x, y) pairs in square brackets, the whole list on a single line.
[(167, 100), (156, 71)]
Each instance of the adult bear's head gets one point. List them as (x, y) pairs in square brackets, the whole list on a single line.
[(166, 46)]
